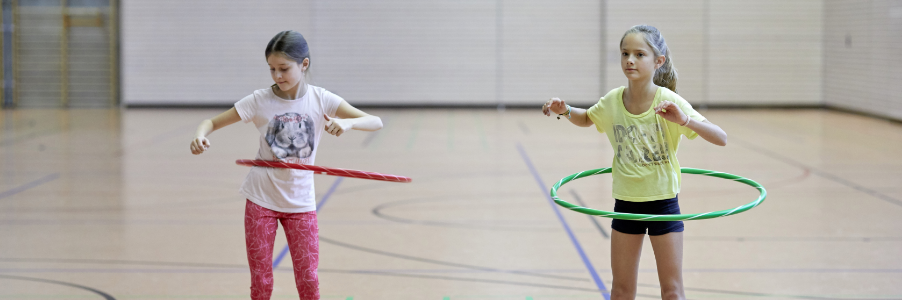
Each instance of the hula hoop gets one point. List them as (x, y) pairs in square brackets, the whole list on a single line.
[(644, 217), (324, 170)]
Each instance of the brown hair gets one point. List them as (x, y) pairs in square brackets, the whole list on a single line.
[(290, 44), (666, 75)]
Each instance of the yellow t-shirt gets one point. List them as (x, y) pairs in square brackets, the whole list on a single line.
[(645, 165)]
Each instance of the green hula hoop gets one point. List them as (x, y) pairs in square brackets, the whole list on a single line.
[(644, 217)]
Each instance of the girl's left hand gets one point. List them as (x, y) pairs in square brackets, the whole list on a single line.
[(337, 126), (671, 112)]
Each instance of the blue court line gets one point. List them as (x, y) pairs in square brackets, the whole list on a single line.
[(275, 263), (594, 219), (201, 270), (29, 185), (579, 248)]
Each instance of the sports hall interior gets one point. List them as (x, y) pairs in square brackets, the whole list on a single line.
[(101, 198)]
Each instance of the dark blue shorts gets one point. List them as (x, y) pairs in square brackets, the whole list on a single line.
[(657, 207)]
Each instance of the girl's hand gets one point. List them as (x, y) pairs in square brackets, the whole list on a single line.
[(199, 145), (337, 126), (671, 112), (554, 105)]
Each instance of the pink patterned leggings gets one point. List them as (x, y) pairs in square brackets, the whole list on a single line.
[(303, 241)]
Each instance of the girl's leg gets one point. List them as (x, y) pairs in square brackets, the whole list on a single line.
[(625, 252), (669, 256), (260, 226), (303, 241)]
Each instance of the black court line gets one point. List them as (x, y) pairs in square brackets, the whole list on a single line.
[(864, 239), (482, 280), (444, 263), (592, 218), (820, 173), (391, 273), (123, 262), (90, 289), (377, 211)]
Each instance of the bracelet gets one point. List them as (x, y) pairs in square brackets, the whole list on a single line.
[(566, 113), (687, 121)]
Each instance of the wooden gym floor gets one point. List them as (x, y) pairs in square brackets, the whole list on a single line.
[(110, 204)]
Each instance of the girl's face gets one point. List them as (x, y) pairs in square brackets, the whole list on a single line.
[(637, 59), (286, 72)]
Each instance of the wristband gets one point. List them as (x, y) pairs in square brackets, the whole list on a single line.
[(687, 121), (566, 113)]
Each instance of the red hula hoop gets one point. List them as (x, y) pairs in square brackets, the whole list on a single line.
[(323, 170)]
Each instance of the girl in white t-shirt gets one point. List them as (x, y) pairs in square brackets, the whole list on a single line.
[(291, 117)]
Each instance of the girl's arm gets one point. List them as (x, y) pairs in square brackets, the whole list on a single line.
[(350, 117), (200, 142), (578, 116), (707, 130)]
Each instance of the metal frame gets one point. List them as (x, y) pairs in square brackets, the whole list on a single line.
[(15, 45), (2, 60), (113, 27), (64, 54)]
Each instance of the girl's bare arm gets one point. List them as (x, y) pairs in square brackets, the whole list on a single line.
[(578, 116), (200, 142), (349, 117)]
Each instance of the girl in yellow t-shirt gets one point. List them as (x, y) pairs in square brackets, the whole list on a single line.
[(644, 122)]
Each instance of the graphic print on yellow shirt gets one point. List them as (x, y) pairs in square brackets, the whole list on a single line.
[(640, 144), (645, 167)]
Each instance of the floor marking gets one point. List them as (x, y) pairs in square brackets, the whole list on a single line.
[(523, 127), (29, 185), (275, 263), (579, 248), (374, 134), (413, 132), (95, 291), (592, 218), (820, 173)]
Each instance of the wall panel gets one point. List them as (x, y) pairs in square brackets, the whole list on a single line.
[(404, 52), (863, 68)]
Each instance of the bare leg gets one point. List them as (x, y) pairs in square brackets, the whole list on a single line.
[(625, 252), (669, 256)]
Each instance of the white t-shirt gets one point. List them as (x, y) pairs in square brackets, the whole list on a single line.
[(290, 131)]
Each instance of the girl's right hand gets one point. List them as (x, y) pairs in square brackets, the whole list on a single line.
[(554, 105), (199, 145)]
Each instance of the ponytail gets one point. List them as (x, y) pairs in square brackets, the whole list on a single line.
[(666, 75), (289, 44)]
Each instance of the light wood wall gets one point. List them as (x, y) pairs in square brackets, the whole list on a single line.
[(200, 52), (863, 66), (386, 52), (730, 52), (402, 52)]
